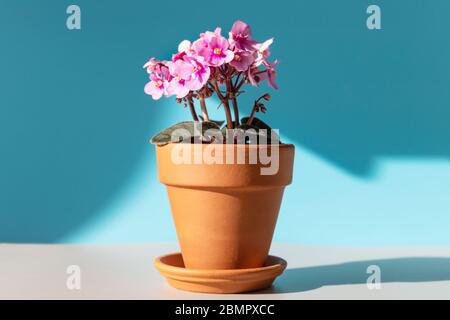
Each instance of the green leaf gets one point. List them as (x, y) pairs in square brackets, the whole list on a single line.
[(258, 123), (251, 137), (186, 131), (246, 126), (218, 122)]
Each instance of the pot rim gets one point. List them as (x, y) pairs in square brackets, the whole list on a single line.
[(275, 265), (281, 145)]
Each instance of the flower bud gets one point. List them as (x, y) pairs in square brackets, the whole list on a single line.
[(267, 97)]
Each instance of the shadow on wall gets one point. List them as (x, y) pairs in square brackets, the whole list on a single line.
[(352, 95), (392, 270), (74, 121)]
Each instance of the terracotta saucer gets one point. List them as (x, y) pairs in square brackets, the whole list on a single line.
[(172, 267)]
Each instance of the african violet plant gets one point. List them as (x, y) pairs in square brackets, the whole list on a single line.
[(212, 65)]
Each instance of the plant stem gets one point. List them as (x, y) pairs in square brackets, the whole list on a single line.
[(231, 92), (254, 110), (237, 79), (203, 105), (217, 89), (252, 116), (238, 87), (228, 115), (226, 106), (236, 111), (192, 108)]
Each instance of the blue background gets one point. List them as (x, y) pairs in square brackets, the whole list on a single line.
[(367, 110)]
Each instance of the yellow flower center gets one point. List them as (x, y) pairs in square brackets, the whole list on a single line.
[(157, 84), (237, 57), (217, 51)]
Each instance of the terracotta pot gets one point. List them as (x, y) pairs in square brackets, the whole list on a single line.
[(224, 214)]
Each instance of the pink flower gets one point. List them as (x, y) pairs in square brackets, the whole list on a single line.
[(178, 87), (180, 69), (180, 72), (240, 37), (178, 56), (200, 73), (184, 48), (252, 77), (152, 65), (190, 73), (159, 78), (263, 52), (190, 68), (242, 60), (159, 68), (213, 48), (270, 74), (208, 35), (157, 87)]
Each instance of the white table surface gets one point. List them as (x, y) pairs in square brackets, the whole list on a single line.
[(314, 272)]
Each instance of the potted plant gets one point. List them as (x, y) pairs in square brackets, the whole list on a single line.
[(225, 179)]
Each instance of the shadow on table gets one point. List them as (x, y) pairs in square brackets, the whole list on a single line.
[(392, 270)]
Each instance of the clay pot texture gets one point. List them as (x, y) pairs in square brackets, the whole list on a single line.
[(224, 214)]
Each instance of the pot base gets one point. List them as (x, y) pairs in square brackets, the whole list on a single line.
[(171, 266)]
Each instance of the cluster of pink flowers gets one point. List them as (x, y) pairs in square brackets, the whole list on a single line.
[(201, 67)]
